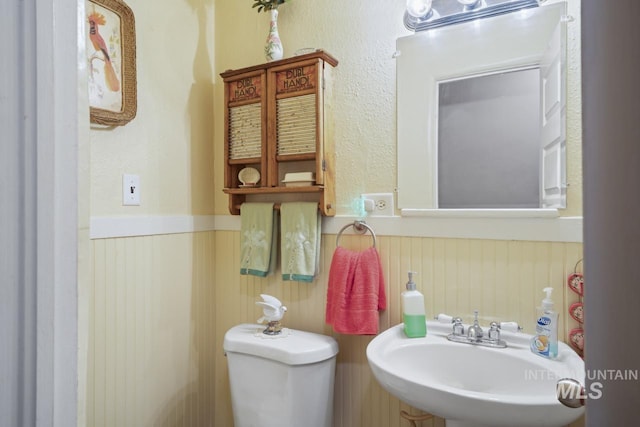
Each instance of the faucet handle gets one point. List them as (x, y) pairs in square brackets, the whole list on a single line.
[(444, 318), (494, 332), (458, 327), (510, 327)]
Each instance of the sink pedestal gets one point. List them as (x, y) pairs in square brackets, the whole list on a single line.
[(457, 423)]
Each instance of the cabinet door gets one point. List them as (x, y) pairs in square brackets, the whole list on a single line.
[(245, 130), (295, 126)]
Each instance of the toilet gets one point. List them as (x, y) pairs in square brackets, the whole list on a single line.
[(280, 381)]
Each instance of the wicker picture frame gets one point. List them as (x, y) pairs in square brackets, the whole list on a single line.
[(111, 62)]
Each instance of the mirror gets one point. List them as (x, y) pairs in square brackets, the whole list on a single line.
[(504, 108), (459, 144)]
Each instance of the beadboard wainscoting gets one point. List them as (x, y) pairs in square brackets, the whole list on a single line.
[(161, 303), (151, 331), (502, 279)]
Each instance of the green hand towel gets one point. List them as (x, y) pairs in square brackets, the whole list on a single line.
[(258, 229), (300, 240)]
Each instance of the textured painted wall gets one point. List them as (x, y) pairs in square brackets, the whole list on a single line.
[(362, 36), (168, 144), (574, 112)]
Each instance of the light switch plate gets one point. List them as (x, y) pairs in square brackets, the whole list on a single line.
[(130, 190)]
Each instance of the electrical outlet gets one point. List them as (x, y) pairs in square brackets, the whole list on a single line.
[(130, 190), (382, 204)]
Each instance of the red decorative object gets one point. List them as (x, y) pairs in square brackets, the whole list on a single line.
[(576, 283), (576, 311), (576, 339)]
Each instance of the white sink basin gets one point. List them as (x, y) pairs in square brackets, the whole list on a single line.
[(473, 386)]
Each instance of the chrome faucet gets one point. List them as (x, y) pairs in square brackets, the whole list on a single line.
[(475, 334)]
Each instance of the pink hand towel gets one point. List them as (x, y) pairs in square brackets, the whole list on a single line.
[(355, 292)]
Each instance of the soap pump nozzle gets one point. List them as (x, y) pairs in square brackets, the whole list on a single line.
[(411, 285), (547, 303)]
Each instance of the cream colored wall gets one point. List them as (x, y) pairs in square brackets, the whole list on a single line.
[(151, 332), (157, 319), (502, 279), (158, 306), (147, 307), (361, 35), (168, 144), (574, 112)]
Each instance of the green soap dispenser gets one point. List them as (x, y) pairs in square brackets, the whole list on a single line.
[(413, 312)]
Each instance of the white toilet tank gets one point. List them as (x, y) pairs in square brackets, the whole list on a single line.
[(281, 381)]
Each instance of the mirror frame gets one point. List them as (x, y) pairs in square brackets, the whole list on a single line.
[(516, 40)]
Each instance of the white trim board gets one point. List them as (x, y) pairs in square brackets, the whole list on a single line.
[(562, 229)]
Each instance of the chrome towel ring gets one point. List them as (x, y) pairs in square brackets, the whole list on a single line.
[(359, 227)]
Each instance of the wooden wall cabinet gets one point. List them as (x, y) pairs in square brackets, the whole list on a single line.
[(277, 120)]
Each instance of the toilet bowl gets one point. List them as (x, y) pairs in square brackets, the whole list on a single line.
[(281, 381)]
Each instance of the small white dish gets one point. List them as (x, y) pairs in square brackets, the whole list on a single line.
[(298, 183), (249, 177), (299, 176), (299, 179)]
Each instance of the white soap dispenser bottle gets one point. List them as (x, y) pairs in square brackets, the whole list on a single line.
[(413, 312), (545, 341)]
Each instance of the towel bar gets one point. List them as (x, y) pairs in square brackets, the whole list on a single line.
[(360, 227), (276, 206)]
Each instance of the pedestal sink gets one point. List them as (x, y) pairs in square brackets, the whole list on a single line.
[(473, 386)]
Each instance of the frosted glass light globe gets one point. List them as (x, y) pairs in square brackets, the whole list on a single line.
[(418, 8)]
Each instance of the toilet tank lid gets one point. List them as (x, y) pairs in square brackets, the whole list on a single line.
[(296, 348)]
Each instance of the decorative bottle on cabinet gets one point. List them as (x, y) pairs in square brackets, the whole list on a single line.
[(273, 49)]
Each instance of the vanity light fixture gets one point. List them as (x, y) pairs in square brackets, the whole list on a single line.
[(422, 15)]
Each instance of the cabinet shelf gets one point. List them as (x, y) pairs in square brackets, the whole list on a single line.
[(275, 190), (279, 114), (295, 157), (247, 161)]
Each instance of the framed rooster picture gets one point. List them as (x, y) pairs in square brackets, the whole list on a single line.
[(111, 62)]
